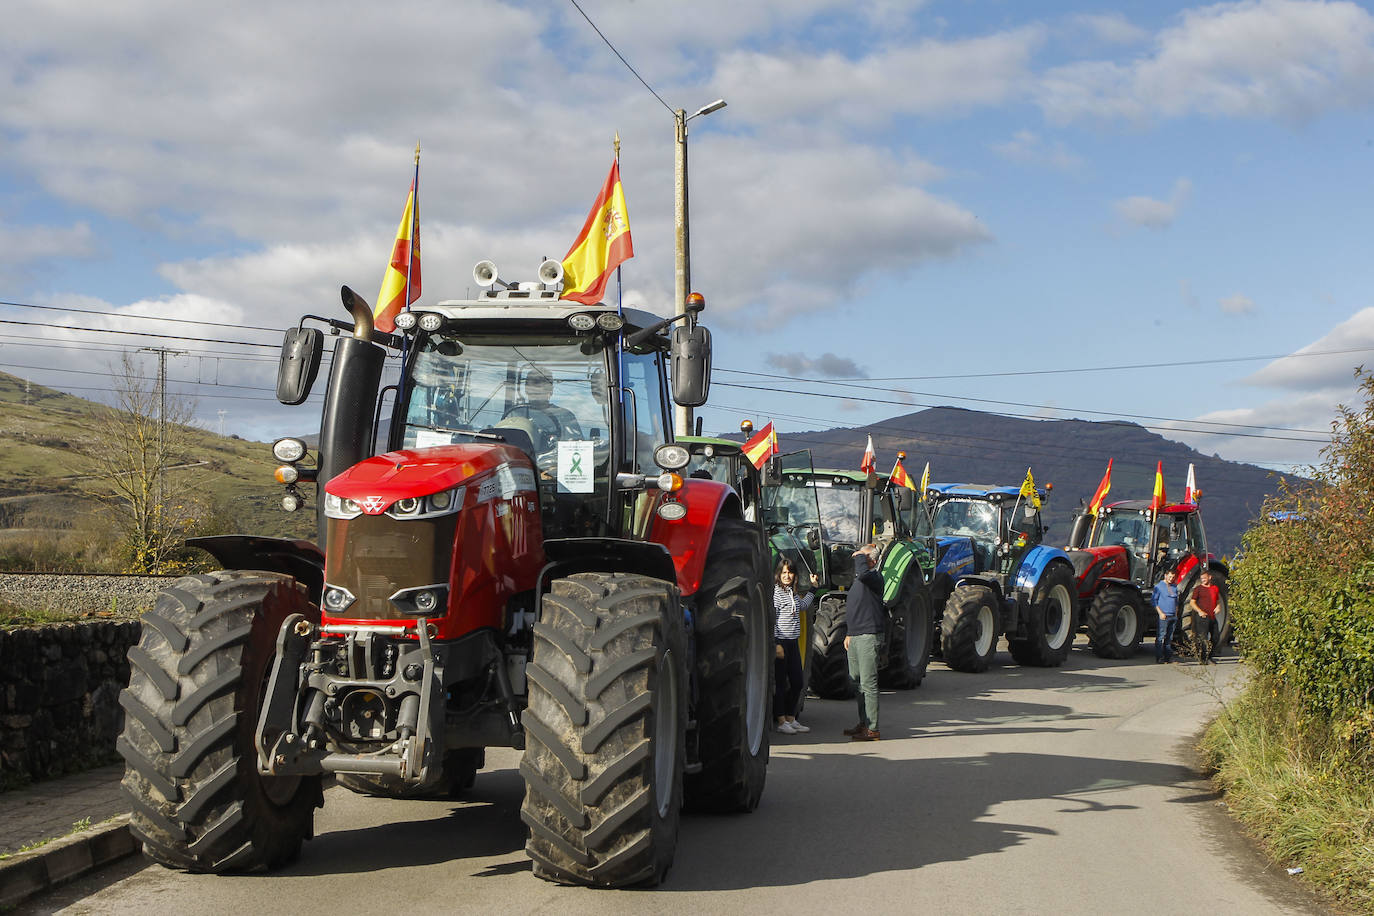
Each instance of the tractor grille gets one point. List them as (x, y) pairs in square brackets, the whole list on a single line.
[(375, 556)]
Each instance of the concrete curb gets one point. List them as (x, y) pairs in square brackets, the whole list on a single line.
[(65, 859)]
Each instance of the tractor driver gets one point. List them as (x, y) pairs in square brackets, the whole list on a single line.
[(551, 422)]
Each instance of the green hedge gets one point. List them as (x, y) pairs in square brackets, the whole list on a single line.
[(1302, 592)]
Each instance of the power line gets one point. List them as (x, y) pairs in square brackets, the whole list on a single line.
[(60, 308), (621, 56)]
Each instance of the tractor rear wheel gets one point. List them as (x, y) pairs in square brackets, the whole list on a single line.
[(969, 632), (605, 731), (909, 648), (1115, 622), (734, 673), (1050, 622), (197, 677), (829, 661)]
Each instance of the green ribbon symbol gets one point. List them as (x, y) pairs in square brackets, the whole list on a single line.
[(576, 466)]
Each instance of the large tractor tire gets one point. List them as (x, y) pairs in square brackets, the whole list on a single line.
[(829, 660), (196, 683), (605, 731), (459, 775), (734, 673), (1188, 621), (909, 646), (969, 632), (1116, 622), (1049, 622)]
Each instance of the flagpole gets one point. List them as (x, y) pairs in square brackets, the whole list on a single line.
[(414, 237), (620, 310)]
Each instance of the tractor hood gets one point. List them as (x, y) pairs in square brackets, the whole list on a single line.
[(955, 555), (378, 482), (1091, 564)]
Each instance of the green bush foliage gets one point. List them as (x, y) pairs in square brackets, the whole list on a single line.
[(1303, 592)]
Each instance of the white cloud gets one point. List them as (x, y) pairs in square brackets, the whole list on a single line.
[(1239, 304), (19, 244), (1285, 432), (1285, 59), (1029, 147), (1113, 28), (1155, 214), (827, 365), (924, 78), (1307, 371)]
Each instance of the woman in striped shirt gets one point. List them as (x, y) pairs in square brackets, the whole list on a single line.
[(790, 603)]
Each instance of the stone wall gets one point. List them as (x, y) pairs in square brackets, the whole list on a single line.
[(59, 697)]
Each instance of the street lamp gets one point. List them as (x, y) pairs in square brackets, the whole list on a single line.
[(682, 272)]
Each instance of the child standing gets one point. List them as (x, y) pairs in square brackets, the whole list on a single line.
[(790, 603)]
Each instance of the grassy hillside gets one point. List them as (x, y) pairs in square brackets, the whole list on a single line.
[(45, 483)]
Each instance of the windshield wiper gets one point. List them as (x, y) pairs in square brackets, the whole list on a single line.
[(461, 432)]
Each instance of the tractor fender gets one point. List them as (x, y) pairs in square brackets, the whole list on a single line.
[(1217, 567), (1034, 564), (900, 560), (302, 560), (688, 539), (567, 556), (987, 580)]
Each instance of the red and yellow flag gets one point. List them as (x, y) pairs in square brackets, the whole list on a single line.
[(401, 282), (900, 476), (603, 244), (1157, 501), (1102, 490), (761, 446)]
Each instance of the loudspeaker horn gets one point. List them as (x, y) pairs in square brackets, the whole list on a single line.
[(551, 272), (485, 274)]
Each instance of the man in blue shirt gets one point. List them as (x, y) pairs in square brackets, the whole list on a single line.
[(1165, 600)]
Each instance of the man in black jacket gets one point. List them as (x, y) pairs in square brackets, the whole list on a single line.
[(864, 617)]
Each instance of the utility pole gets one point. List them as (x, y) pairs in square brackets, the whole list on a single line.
[(162, 353), (682, 261), (221, 422)]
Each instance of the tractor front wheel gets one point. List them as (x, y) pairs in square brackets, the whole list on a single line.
[(1115, 622), (909, 645), (1049, 623), (197, 677), (734, 668), (605, 731), (969, 633), (829, 661)]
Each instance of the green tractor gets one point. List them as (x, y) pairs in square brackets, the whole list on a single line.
[(829, 514), (799, 540)]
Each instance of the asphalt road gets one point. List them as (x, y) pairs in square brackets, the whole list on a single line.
[(1022, 790)]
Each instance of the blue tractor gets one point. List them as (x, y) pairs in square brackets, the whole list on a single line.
[(994, 576)]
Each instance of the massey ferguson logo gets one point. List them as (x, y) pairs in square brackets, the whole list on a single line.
[(372, 505)]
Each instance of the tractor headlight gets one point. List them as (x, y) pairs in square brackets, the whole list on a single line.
[(610, 321), (288, 450), (581, 322), (405, 321), (431, 322), (671, 457), (337, 599), (340, 507), (445, 502), (287, 474), (672, 510), (421, 601)]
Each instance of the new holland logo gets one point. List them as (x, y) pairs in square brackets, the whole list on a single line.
[(372, 505)]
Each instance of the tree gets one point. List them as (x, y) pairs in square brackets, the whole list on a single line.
[(141, 446)]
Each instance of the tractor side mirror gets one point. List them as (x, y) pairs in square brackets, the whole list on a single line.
[(691, 355), (300, 363), (906, 499)]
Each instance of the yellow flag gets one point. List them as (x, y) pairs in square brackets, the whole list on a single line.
[(1028, 489)]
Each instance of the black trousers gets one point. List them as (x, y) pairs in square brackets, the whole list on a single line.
[(787, 679)]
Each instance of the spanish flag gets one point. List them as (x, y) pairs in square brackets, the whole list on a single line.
[(1028, 489), (761, 446), (899, 475), (603, 244), (1102, 490), (401, 282), (1157, 501)]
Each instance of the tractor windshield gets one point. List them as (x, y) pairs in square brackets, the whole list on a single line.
[(1123, 529), (970, 518), (841, 510), (546, 396)]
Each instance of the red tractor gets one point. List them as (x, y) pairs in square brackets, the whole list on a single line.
[(517, 563), (1120, 556)]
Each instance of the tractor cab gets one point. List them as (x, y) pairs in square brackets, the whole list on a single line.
[(852, 514), (792, 515), (1131, 542), (980, 529)]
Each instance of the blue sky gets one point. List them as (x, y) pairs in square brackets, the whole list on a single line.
[(902, 203)]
